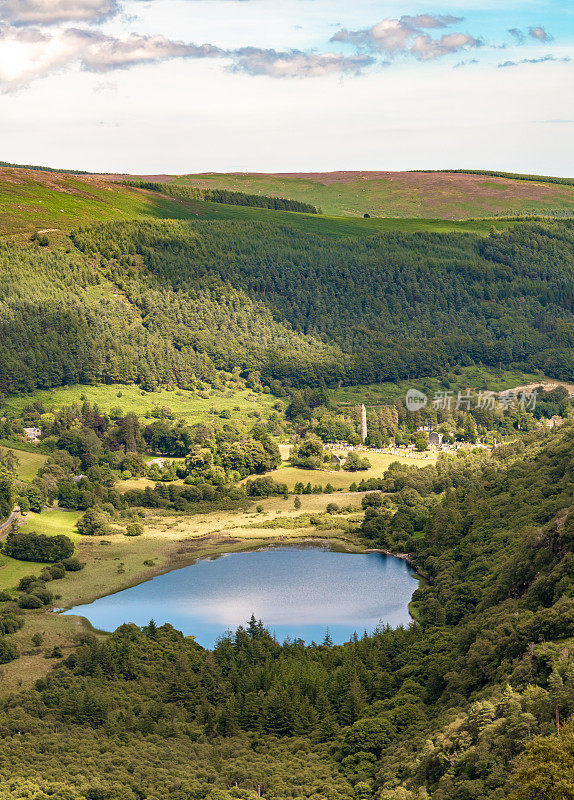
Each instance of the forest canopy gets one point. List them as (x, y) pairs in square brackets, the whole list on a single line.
[(169, 301)]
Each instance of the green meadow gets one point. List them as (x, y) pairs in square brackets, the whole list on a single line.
[(416, 195), (62, 202), (28, 462), (56, 203), (474, 377), (192, 406)]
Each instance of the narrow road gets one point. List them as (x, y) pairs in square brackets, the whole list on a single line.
[(5, 526)]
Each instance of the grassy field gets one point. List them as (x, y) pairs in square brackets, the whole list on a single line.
[(193, 406), (333, 225), (401, 194), (28, 463), (50, 523), (341, 479), (54, 203), (474, 377), (53, 522), (32, 201)]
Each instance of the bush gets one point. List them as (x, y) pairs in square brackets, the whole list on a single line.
[(332, 508), (72, 564), (134, 529), (45, 596), (93, 523), (26, 582), (373, 500), (356, 464), (57, 571), (5, 597), (38, 547), (30, 601), (8, 651), (264, 487)]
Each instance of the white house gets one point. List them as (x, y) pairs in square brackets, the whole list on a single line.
[(32, 434)]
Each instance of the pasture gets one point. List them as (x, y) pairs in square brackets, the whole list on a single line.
[(28, 462), (191, 406), (424, 195)]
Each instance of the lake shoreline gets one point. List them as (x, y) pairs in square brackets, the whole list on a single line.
[(310, 577), (213, 546)]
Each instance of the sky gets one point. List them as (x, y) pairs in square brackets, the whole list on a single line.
[(184, 86)]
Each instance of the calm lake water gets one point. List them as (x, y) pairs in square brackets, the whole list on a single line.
[(296, 591)]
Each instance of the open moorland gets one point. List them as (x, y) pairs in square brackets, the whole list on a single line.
[(402, 194)]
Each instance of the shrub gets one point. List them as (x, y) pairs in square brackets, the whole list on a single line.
[(26, 582), (72, 564), (93, 523), (134, 529), (57, 571), (332, 508), (372, 500), (5, 596), (38, 547), (356, 464), (30, 601), (45, 596), (8, 651)]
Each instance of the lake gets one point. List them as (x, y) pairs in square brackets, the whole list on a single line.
[(298, 592)]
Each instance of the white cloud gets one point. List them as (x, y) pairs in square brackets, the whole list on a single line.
[(425, 47), (540, 34), (295, 64), (29, 53), (48, 12), (407, 36)]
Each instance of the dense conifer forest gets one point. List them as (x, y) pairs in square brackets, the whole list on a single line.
[(161, 302)]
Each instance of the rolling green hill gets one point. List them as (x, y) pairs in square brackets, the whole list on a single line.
[(426, 195), (32, 200), (133, 285)]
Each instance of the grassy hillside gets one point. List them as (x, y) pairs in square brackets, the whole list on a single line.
[(32, 200), (424, 195)]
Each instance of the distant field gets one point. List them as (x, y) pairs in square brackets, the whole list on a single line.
[(475, 377), (342, 479), (50, 523), (29, 463), (425, 195), (186, 405), (53, 523), (32, 201), (54, 203)]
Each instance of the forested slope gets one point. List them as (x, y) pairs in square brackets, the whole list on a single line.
[(160, 302), (445, 709)]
